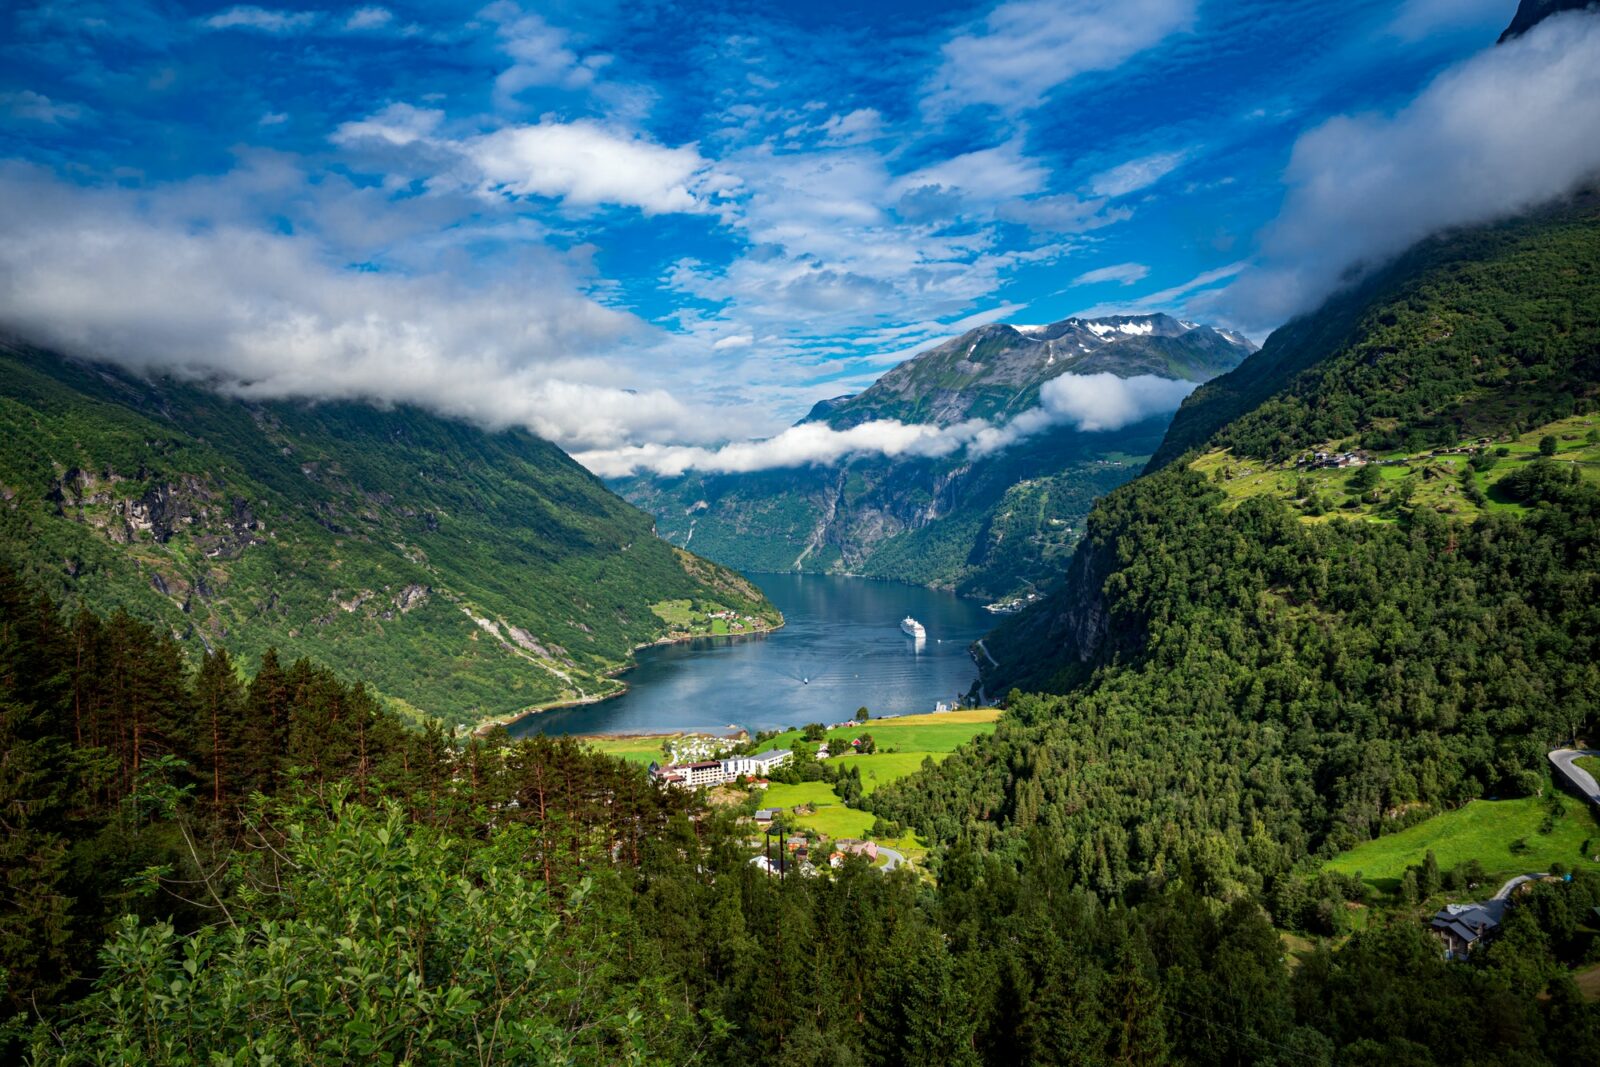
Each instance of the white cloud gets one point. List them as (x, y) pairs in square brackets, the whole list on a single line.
[(1172, 299), (1062, 213), (182, 279), (1136, 174), (1125, 273), (369, 18), (396, 125), (986, 175), (738, 340), (36, 107), (1090, 403), (1509, 128), (859, 126), (582, 163), (542, 54), (1025, 48), (1099, 402), (273, 118), (248, 17), (585, 164)]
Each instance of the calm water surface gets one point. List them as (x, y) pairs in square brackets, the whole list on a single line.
[(841, 648)]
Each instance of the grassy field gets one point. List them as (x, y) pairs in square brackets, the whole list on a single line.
[(881, 768), (1588, 980), (1483, 830), (942, 732), (633, 749), (832, 817), (912, 738), (1437, 478)]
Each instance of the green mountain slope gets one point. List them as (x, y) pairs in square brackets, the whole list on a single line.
[(1243, 681), (465, 574), (1464, 334), (993, 527)]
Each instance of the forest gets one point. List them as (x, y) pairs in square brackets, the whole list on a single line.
[(1267, 691), (201, 867)]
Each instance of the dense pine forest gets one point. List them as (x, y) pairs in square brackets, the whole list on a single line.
[(205, 868)]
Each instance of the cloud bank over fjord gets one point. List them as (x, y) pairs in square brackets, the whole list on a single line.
[(1089, 403), (1510, 128)]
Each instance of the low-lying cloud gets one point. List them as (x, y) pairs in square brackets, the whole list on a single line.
[(169, 282), (1512, 127), (1090, 403)]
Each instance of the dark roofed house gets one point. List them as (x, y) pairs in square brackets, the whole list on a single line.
[(1462, 927)]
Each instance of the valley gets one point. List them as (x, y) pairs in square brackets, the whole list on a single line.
[(427, 636), (465, 575)]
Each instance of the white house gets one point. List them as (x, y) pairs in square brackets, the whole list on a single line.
[(754, 766)]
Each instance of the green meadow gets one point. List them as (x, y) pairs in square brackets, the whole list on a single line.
[(1503, 835)]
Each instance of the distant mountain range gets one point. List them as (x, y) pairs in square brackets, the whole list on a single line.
[(465, 574), (993, 526)]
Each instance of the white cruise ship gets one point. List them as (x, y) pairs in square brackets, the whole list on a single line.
[(912, 627)]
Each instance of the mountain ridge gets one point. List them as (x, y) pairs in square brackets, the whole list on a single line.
[(989, 527), (470, 575)]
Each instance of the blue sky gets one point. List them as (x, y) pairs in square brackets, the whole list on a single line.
[(630, 223)]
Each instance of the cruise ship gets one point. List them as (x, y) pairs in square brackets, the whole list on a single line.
[(912, 627)]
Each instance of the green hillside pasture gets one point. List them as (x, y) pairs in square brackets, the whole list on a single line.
[(881, 768), (832, 818), (644, 749), (1484, 830)]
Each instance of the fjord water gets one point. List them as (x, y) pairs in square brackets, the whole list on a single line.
[(841, 647)]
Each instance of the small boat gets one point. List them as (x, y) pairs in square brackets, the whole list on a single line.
[(912, 627)]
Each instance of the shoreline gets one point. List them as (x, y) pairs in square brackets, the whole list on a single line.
[(488, 725)]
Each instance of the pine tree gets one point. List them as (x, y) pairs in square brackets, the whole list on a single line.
[(220, 699)]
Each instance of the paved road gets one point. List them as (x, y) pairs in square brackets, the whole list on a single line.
[(1505, 890), (892, 859), (1564, 758)]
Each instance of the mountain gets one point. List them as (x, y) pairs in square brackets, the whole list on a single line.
[(994, 372), (986, 527), (1532, 12), (465, 574), (1360, 587)]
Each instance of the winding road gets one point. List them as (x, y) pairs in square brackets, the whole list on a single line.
[(1565, 761), (892, 859)]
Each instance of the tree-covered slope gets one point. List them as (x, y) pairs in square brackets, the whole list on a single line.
[(1240, 685), (466, 574), (991, 527), (202, 868), (1466, 334)]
